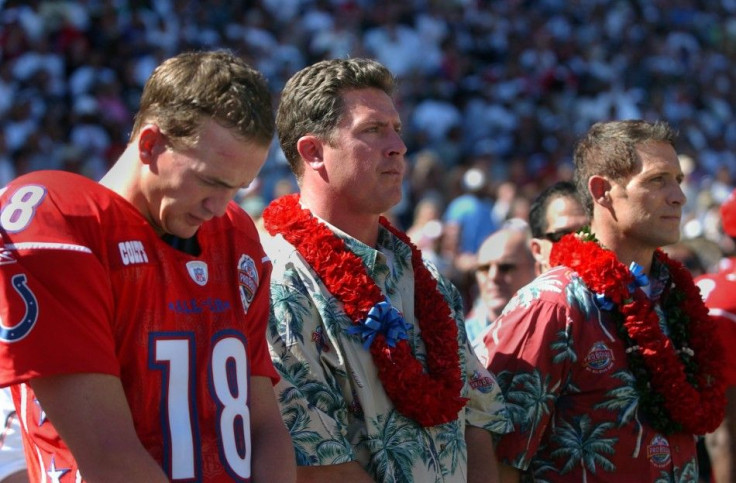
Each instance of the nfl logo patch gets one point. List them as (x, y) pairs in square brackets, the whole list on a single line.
[(198, 271)]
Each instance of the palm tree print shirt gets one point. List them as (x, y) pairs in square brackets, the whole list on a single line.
[(564, 373), (330, 396)]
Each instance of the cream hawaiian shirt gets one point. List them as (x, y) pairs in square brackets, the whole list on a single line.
[(330, 396)]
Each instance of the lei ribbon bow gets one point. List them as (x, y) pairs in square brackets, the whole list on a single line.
[(384, 319), (640, 280), (604, 302)]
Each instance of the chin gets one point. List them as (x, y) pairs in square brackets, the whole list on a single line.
[(672, 238), (183, 232), (390, 202)]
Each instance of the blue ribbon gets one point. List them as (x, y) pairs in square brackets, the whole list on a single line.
[(604, 302), (640, 278), (381, 319)]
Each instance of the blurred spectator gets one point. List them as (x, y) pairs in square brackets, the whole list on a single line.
[(427, 230), (12, 459), (7, 170), (555, 212), (468, 220), (504, 265)]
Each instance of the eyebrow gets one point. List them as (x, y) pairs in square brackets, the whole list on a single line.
[(220, 182), (663, 172), (503, 266), (375, 122)]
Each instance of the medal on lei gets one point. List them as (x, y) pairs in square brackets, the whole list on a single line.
[(429, 397), (678, 378)]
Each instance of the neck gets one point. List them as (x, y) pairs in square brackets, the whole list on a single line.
[(123, 175), (361, 226), (124, 179), (624, 250)]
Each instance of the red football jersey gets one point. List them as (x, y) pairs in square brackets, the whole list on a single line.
[(718, 291), (86, 286)]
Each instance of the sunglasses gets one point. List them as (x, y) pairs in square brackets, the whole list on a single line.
[(555, 236), (503, 268)]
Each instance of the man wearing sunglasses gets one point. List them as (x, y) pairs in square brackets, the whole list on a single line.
[(554, 213), (504, 265)]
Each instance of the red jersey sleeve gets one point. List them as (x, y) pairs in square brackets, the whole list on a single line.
[(717, 291), (55, 297)]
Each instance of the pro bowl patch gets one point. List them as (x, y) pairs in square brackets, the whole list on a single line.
[(658, 451), (247, 280), (599, 358), (481, 382)]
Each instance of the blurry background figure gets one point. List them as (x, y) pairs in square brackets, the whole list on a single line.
[(468, 220), (251, 199), (699, 255), (718, 291), (504, 265), (427, 230), (12, 460), (555, 212)]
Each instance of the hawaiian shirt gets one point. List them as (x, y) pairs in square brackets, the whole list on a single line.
[(331, 398), (564, 373)]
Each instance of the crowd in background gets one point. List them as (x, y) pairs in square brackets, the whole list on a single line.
[(492, 94)]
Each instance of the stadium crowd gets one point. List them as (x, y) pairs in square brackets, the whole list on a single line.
[(492, 94)]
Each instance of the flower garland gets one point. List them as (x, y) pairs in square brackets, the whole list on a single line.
[(428, 397), (678, 378)]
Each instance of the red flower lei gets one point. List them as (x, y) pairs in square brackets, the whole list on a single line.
[(429, 398), (679, 377)]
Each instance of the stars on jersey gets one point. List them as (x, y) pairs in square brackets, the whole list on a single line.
[(6, 256), (55, 473), (41, 414)]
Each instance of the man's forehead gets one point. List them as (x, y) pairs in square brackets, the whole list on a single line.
[(565, 212), (505, 246)]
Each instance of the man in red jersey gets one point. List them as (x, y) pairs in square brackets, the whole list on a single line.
[(133, 310), (718, 291)]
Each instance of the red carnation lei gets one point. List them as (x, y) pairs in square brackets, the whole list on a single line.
[(698, 409), (428, 397)]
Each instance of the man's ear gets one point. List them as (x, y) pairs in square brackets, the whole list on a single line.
[(310, 150), (536, 248), (540, 264), (600, 190), (151, 142)]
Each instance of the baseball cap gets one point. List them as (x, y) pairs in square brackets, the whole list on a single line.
[(728, 214)]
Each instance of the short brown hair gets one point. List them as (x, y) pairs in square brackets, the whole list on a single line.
[(311, 101), (192, 87), (609, 149)]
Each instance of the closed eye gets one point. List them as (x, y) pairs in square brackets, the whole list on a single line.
[(216, 183)]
